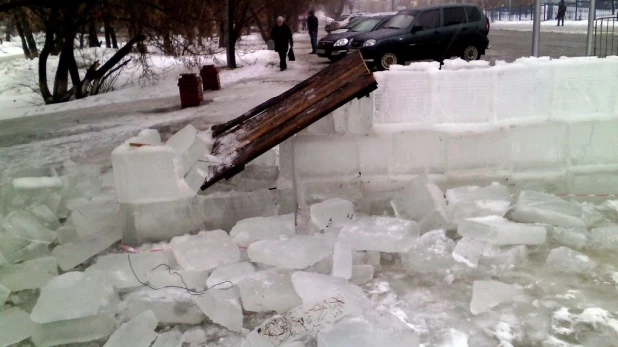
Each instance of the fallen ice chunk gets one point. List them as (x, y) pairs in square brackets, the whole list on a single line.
[(66, 234), (197, 175), (331, 213), (138, 332), (358, 332), (15, 326), (489, 294), (12, 249), (250, 230), (575, 237), (424, 202), (4, 294), (162, 276), (188, 146), (205, 251), (384, 234), (73, 331), (567, 260), (361, 274), (474, 201), (24, 225), (37, 183), (233, 273), (268, 290), (469, 251), (146, 137), (32, 274), (502, 258), (170, 305), (94, 216), (313, 287), (70, 255), (223, 307), (169, 339), (432, 252), (535, 207), (298, 252), (604, 238), (500, 231), (45, 216), (342, 260), (118, 271)]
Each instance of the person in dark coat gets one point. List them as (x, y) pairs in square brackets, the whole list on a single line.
[(304, 23), (312, 25), (282, 35), (561, 12)]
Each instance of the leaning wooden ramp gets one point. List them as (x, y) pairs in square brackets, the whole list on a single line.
[(245, 138)]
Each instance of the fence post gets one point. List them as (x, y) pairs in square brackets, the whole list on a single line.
[(536, 28), (590, 37), (576, 3)]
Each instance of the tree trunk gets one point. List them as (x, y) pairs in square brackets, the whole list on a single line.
[(58, 41), (222, 35), (108, 36), (24, 43), (93, 39), (112, 33), (34, 52), (82, 33), (340, 9), (231, 44), (9, 29), (167, 44), (47, 48)]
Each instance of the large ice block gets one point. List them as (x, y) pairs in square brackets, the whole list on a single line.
[(118, 271), (331, 213), (96, 215), (12, 249), (489, 294), (384, 234), (37, 183), (500, 231), (148, 174), (45, 216), (298, 252), (424, 202), (138, 332), (188, 146), (313, 287), (70, 255), (575, 237), (254, 229), (535, 207), (498, 259), (359, 332), (24, 225), (361, 274), (147, 137), (169, 339), (163, 277), (170, 305), (474, 201), (197, 175), (31, 274), (567, 260), (469, 251), (268, 290), (15, 326), (4, 294), (342, 260), (431, 253), (66, 234), (233, 273), (605, 237), (205, 251), (223, 307), (73, 331)]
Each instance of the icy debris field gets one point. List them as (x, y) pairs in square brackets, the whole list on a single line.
[(138, 257)]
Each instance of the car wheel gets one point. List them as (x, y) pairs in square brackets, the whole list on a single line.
[(470, 53), (386, 60)]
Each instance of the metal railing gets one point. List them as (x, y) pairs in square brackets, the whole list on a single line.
[(604, 36)]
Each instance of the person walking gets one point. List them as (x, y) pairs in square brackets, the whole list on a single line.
[(282, 36), (312, 25), (561, 12), (304, 23)]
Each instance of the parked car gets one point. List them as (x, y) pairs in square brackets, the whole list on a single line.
[(341, 22), (437, 33), (357, 19), (336, 45)]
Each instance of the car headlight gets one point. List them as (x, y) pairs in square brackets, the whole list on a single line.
[(341, 42), (369, 43)]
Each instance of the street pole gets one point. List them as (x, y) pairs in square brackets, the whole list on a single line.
[(590, 37), (393, 5), (536, 28), (231, 41)]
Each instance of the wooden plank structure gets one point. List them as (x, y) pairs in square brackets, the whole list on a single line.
[(243, 139)]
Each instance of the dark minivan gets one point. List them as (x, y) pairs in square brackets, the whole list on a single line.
[(437, 33), (335, 46)]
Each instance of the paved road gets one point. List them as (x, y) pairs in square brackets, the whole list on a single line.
[(509, 45)]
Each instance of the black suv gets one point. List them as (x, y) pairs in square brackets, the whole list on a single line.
[(335, 46), (429, 33)]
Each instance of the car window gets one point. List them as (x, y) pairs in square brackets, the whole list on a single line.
[(454, 16), (400, 21), (366, 25), (473, 14), (429, 20)]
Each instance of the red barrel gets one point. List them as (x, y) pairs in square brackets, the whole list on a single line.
[(210, 77), (191, 93)]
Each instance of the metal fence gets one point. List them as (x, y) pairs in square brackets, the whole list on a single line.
[(604, 36), (577, 10)]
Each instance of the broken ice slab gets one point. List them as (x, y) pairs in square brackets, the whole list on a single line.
[(254, 229), (567, 260), (298, 252), (575, 237), (170, 305), (163, 276), (331, 213), (489, 294), (424, 202), (233, 273), (197, 175), (73, 331), (66, 234), (138, 332), (12, 249), (535, 207), (500, 231), (474, 201), (32, 274), (45, 216), (23, 184), (223, 307), (205, 251), (181, 142), (431, 253), (4, 294), (359, 332), (96, 215), (502, 258), (366, 258), (268, 290), (24, 225), (342, 260), (147, 137), (15, 326), (384, 234), (74, 295), (605, 237), (118, 271), (70, 255), (361, 274), (469, 251), (169, 339)]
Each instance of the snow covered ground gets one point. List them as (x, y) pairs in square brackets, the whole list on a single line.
[(570, 27)]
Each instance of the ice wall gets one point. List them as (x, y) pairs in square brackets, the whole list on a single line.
[(536, 123)]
